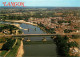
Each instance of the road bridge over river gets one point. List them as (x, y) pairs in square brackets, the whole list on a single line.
[(33, 35)]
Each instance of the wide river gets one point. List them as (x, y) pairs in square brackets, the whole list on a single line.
[(36, 50)]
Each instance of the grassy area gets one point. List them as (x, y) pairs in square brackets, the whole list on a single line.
[(1, 25), (8, 45), (3, 53), (14, 50), (39, 42), (2, 40)]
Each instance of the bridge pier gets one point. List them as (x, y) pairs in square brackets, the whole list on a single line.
[(35, 29), (28, 29), (53, 37), (17, 32), (22, 38), (28, 40), (44, 39)]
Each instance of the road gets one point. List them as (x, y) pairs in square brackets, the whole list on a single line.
[(25, 35)]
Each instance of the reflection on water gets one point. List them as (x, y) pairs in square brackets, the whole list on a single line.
[(36, 50), (31, 29)]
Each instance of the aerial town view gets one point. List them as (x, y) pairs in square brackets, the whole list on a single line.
[(44, 30)]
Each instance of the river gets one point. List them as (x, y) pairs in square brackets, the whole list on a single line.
[(36, 50)]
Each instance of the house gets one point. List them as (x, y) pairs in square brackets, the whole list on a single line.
[(5, 31)]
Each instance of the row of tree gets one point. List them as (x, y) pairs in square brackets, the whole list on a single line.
[(63, 45), (8, 45), (49, 30)]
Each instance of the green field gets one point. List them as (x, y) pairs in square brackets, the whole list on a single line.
[(14, 50)]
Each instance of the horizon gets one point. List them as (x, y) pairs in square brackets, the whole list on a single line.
[(42, 6)]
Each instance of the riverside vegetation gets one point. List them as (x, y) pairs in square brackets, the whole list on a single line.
[(58, 19), (62, 41), (9, 47)]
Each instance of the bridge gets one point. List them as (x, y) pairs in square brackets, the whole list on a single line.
[(25, 35)]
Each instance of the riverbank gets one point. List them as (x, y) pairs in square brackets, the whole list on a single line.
[(8, 51), (21, 21), (44, 48), (20, 50), (12, 51), (18, 25), (43, 29)]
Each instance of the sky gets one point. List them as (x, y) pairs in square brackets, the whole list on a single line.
[(47, 3)]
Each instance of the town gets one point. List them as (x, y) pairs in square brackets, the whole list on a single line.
[(40, 20)]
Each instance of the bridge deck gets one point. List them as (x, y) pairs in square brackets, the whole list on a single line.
[(25, 35)]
